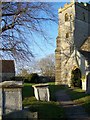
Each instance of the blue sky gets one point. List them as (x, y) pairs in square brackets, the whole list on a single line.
[(42, 48), (47, 47), (52, 30), (43, 0)]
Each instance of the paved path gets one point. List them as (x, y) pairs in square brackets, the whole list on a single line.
[(73, 112)]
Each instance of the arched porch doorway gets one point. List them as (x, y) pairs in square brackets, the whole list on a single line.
[(76, 77)]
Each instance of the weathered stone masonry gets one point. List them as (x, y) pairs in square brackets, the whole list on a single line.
[(73, 37)]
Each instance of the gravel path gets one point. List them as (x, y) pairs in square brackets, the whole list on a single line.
[(73, 111)]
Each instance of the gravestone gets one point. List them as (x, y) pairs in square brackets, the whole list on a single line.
[(7, 70), (10, 91), (88, 83), (86, 54), (11, 99), (84, 84), (88, 78), (41, 92)]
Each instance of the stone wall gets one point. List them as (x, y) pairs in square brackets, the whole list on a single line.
[(1, 110), (82, 24), (57, 68), (65, 27), (72, 33)]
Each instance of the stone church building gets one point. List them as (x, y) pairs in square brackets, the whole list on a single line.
[(73, 41)]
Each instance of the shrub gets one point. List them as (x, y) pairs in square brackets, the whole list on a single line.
[(17, 78), (32, 78)]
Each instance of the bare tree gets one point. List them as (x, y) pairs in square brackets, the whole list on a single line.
[(47, 66), (24, 72), (22, 19)]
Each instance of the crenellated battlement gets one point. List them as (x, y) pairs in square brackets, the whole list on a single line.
[(81, 4), (67, 5), (84, 5)]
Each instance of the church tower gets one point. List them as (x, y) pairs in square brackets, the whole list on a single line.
[(73, 31)]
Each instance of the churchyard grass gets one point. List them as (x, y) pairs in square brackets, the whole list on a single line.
[(27, 90), (80, 98), (54, 88), (46, 110)]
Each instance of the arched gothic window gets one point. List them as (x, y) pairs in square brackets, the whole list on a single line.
[(66, 17)]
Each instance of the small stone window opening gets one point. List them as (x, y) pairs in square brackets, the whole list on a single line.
[(83, 16), (66, 17), (67, 35), (71, 17)]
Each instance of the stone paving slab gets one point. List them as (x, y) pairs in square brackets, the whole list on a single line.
[(72, 111)]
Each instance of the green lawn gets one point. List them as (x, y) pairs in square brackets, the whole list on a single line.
[(80, 97), (46, 110), (28, 90), (54, 88), (77, 95)]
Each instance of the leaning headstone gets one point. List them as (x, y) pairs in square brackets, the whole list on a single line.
[(11, 97), (41, 92), (88, 77), (84, 84), (88, 83), (7, 70)]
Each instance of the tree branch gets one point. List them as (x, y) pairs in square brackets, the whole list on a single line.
[(10, 26)]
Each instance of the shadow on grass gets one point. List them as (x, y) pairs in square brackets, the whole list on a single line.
[(53, 89), (27, 90), (80, 98), (46, 110), (76, 93), (87, 107)]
